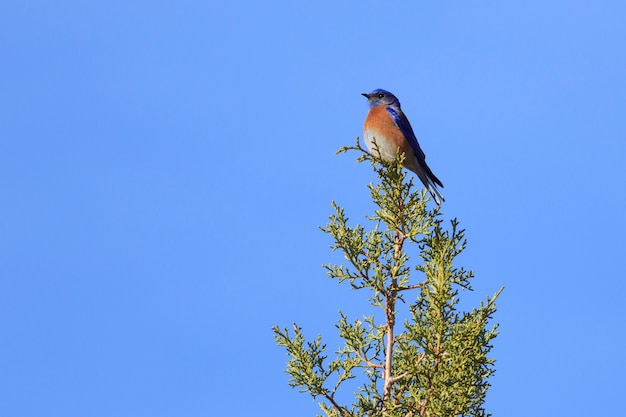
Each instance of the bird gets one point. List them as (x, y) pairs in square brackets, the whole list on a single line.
[(387, 124)]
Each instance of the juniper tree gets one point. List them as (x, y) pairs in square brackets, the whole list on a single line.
[(434, 363)]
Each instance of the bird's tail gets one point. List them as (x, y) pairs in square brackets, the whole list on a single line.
[(431, 184), (429, 180), (434, 191)]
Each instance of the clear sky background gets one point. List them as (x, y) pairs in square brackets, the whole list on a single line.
[(164, 167)]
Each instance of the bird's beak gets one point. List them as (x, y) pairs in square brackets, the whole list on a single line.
[(366, 95)]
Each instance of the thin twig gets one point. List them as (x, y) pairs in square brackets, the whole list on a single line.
[(339, 408), (413, 287), (368, 362), (398, 377)]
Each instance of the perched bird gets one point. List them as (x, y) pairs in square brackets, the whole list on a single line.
[(387, 124)]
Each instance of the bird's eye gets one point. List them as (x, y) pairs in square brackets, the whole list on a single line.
[(381, 95)]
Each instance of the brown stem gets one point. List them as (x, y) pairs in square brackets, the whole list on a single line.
[(390, 312)]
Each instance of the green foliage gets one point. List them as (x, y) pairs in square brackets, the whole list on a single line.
[(438, 365)]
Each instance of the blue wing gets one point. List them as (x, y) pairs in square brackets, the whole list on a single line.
[(405, 127)]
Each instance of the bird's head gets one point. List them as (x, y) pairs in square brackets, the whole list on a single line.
[(380, 97)]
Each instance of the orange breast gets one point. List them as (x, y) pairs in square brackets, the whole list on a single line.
[(380, 126)]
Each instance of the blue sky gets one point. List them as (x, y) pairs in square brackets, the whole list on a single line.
[(164, 167)]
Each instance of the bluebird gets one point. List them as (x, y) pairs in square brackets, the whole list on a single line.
[(387, 124)]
